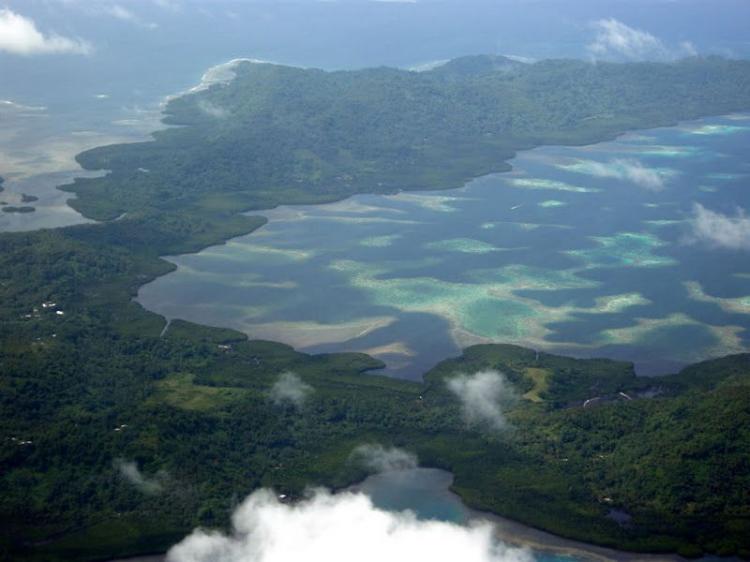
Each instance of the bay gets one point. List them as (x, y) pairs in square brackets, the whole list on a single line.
[(589, 251)]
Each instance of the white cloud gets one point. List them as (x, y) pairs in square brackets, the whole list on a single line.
[(19, 35), (117, 11), (173, 5), (520, 58), (339, 528), (640, 175), (381, 459), (484, 396), (427, 66), (212, 110), (687, 49), (11, 106), (626, 169), (109, 8), (721, 230), (121, 13), (130, 471), (616, 40), (290, 389)]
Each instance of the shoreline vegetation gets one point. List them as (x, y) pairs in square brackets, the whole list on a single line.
[(119, 437), (508, 531)]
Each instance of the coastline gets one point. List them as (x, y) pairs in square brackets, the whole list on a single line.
[(273, 331), (505, 530), (516, 531), (518, 534)]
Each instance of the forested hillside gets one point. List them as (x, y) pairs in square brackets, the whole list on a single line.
[(118, 436), (279, 134)]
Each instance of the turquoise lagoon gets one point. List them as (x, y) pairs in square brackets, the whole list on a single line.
[(592, 250)]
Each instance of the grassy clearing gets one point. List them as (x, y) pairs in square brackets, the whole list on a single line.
[(179, 391), (541, 384)]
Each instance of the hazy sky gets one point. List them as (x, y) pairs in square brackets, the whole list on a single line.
[(181, 36), (148, 47)]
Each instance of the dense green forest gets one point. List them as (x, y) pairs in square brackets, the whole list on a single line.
[(281, 135), (92, 387)]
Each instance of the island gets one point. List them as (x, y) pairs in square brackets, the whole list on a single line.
[(22, 209), (121, 433)]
